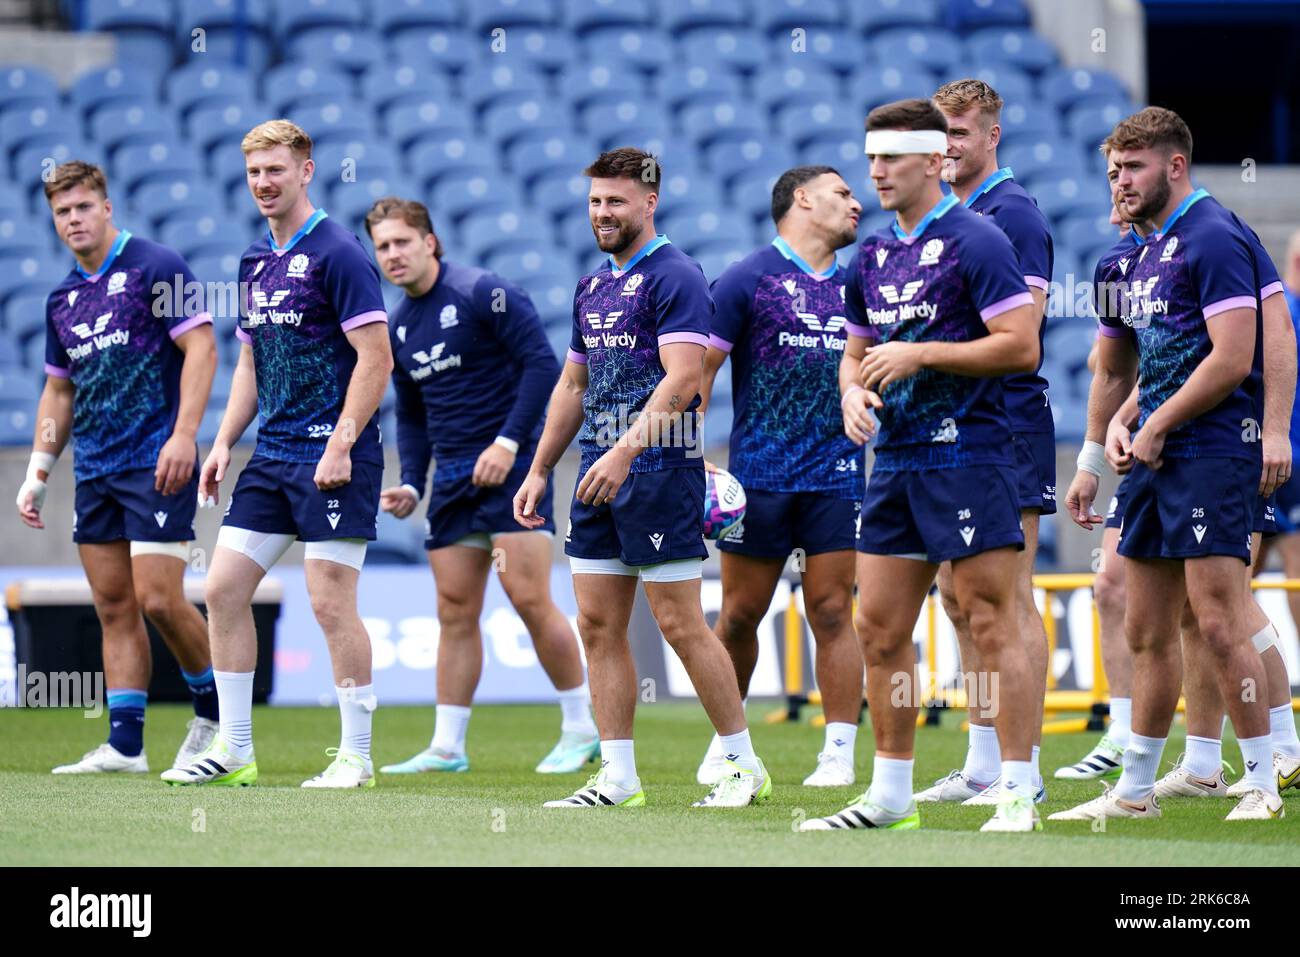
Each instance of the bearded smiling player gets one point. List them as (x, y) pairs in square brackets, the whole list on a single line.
[(465, 339), (779, 315)]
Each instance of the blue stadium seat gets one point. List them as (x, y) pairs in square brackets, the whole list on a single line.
[(297, 16), (1089, 124), (928, 48), (801, 121), (534, 266), (351, 201), (386, 85), (197, 237), (551, 292), (334, 120), (697, 82), (714, 258), (214, 129), (870, 16), (109, 85), (737, 48), (31, 162), (482, 233), (589, 83), (457, 194), (543, 149), (433, 159), (487, 15), (1023, 49), (221, 15), (697, 225), (782, 16), (645, 48), (729, 158), (180, 199), (142, 29), (688, 187), (249, 49), (295, 82), (873, 86), (840, 50), (778, 85), (559, 192), (25, 86), (677, 15), (161, 160), (1026, 122), (411, 123), (204, 83), (1064, 88), (489, 82), (345, 48), (583, 15), (601, 119), (447, 49), (220, 268), (17, 421), (1085, 232), (751, 192), (842, 149), (709, 123), (1011, 83), (506, 122), (539, 48), (19, 128), (1060, 196), (16, 382), (974, 14), (34, 275), (1043, 157), (360, 158), (395, 16)]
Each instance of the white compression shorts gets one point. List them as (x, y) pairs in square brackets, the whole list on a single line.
[(179, 550), (681, 570), (266, 548)]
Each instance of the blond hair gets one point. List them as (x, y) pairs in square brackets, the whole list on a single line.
[(959, 96), (273, 133)]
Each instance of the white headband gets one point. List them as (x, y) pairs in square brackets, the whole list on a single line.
[(894, 142)]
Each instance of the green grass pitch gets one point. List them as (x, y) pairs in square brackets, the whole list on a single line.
[(493, 814)]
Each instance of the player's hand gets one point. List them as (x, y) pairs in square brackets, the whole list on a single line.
[(175, 464), (1079, 499), (398, 500), (1277, 463), (1147, 446), (493, 465), (859, 423), (605, 478), (31, 499), (1119, 448), (210, 476), (527, 499), (334, 469), (888, 363), (709, 466)]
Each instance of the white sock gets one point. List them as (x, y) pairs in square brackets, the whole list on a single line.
[(715, 746), (575, 709), (840, 739), (449, 725), (235, 701), (1018, 777), (1204, 756), (739, 749), (891, 783), (356, 706), (1141, 762), (1281, 724), (1035, 776), (1121, 721), (983, 756), (620, 762), (1257, 754)]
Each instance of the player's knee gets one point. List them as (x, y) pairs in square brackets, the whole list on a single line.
[(989, 621), (532, 603), (332, 612), (956, 614), (829, 615), (738, 621), (160, 606), (116, 609), (678, 625), (1108, 592), (1218, 635)]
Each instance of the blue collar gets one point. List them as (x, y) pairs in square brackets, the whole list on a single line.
[(312, 222), (940, 208), (1132, 235), (646, 250), (118, 245), (1177, 214), (785, 250), (997, 176)]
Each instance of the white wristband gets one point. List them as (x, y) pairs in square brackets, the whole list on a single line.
[(40, 462), (415, 492), (1092, 457), (510, 445), (845, 397)]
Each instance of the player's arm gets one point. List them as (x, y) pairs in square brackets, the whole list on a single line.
[(414, 449), (713, 360), (365, 392), (563, 420), (1279, 392), (1232, 352), (198, 367), (241, 408), (732, 294), (53, 427), (856, 401)]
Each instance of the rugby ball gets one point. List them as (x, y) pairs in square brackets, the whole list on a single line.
[(724, 503)]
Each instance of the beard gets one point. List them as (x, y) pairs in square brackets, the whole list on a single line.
[(845, 238), (625, 236), (1151, 204)]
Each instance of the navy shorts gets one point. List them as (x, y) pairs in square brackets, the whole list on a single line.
[(459, 509), (941, 514), (1191, 508), (1118, 502), (1036, 470), (776, 523), (1266, 522), (655, 517), (1288, 508), (125, 507), (281, 498)]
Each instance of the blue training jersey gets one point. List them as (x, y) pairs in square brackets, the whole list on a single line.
[(1293, 303), (952, 275), (1014, 211), (300, 302), (784, 325), (470, 362), (113, 335), (620, 319)]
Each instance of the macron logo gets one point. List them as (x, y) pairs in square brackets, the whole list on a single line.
[(880, 257), (1123, 266), (968, 533), (833, 324), (790, 286), (1199, 532), (85, 331), (333, 518), (894, 297), (160, 518), (657, 539)]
